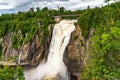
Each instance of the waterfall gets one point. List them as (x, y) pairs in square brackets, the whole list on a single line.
[(19, 57), (54, 65)]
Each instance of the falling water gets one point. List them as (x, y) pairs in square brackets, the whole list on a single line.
[(19, 58), (20, 55), (54, 65)]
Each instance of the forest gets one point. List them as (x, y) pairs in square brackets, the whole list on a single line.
[(104, 53)]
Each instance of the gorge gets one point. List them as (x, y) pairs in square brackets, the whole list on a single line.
[(80, 45), (63, 50), (54, 65)]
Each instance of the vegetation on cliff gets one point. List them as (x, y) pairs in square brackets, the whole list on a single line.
[(104, 49), (8, 73)]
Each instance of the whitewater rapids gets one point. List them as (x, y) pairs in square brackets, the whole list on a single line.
[(54, 65)]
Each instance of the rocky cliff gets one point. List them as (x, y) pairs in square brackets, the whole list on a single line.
[(36, 51), (32, 52)]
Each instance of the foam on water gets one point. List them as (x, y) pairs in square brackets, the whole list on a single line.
[(54, 65)]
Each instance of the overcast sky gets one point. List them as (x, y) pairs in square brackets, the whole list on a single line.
[(12, 6)]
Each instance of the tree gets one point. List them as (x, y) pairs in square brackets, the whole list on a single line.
[(104, 60), (106, 0), (19, 73), (0, 51), (38, 9), (45, 9), (62, 9), (6, 73), (31, 9)]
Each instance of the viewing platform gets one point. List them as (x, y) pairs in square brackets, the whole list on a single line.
[(58, 18)]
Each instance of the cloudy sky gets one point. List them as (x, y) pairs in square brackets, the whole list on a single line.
[(12, 6)]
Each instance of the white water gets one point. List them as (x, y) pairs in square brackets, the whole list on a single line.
[(19, 58), (54, 65), (20, 55)]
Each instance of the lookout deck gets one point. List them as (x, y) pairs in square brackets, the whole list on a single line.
[(59, 17), (13, 64)]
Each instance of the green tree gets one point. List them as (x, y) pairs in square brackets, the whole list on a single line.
[(104, 60), (19, 73), (62, 9), (6, 73), (106, 0), (0, 51)]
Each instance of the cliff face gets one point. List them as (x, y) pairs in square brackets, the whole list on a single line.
[(76, 53), (35, 51)]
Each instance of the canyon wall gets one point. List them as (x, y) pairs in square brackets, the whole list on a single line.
[(35, 51)]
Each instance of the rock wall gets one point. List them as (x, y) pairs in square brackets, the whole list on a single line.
[(76, 53), (35, 51)]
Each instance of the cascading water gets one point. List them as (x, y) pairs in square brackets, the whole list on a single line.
[(54, 65), (20, 55), (19, 58)]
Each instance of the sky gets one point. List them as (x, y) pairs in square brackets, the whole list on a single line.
[(13, 6)]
